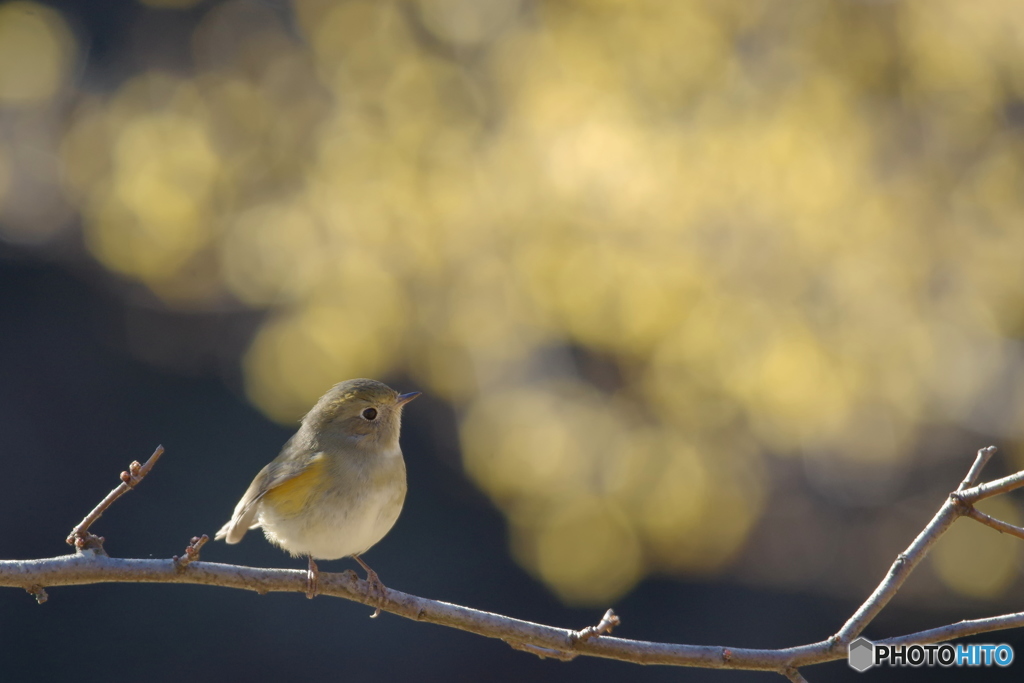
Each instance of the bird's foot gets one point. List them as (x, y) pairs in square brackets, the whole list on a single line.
[(377, 589), (312, 579)]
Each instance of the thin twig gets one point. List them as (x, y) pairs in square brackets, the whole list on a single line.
[(997, 524), (968, 627), (992, 488), (191, 552), (956, 505), (984, 455), (80, 537), (900, 570), (794, 675), (609, 621)]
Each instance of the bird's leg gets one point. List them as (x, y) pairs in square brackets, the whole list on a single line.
[(312, 579), (376, 587)]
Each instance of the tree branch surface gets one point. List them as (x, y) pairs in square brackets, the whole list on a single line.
[(90, 564)]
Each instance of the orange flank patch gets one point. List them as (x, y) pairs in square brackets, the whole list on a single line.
[(290, 496)]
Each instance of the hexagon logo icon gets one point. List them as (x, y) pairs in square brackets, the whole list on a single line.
[(861, 654)]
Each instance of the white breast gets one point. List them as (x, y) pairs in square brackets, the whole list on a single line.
[(337, 524)]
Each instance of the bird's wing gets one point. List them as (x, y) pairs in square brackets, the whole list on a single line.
[(289, 464)]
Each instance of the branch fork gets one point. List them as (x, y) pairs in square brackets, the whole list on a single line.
[(960, 503)]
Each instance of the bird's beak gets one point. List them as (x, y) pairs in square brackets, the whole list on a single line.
[(405, 398)]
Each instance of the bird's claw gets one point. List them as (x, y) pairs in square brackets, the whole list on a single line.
[(312, 580), (377, 589)]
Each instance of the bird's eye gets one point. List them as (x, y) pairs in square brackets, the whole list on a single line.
[(370, 414)]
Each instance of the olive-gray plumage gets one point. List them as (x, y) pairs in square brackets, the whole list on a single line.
[(338, 485)]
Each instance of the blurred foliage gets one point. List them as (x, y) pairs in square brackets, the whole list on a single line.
[(638, 245)]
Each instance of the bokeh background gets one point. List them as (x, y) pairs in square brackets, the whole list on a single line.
[(712, 303)]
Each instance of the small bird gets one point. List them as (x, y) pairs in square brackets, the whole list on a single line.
[(338, 485)]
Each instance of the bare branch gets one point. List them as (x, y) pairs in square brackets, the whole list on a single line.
[(80, 537), (905, 563), (992, 488), (958, 503), (91, 565), (984, 455), (960, 629), (997, 524)]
